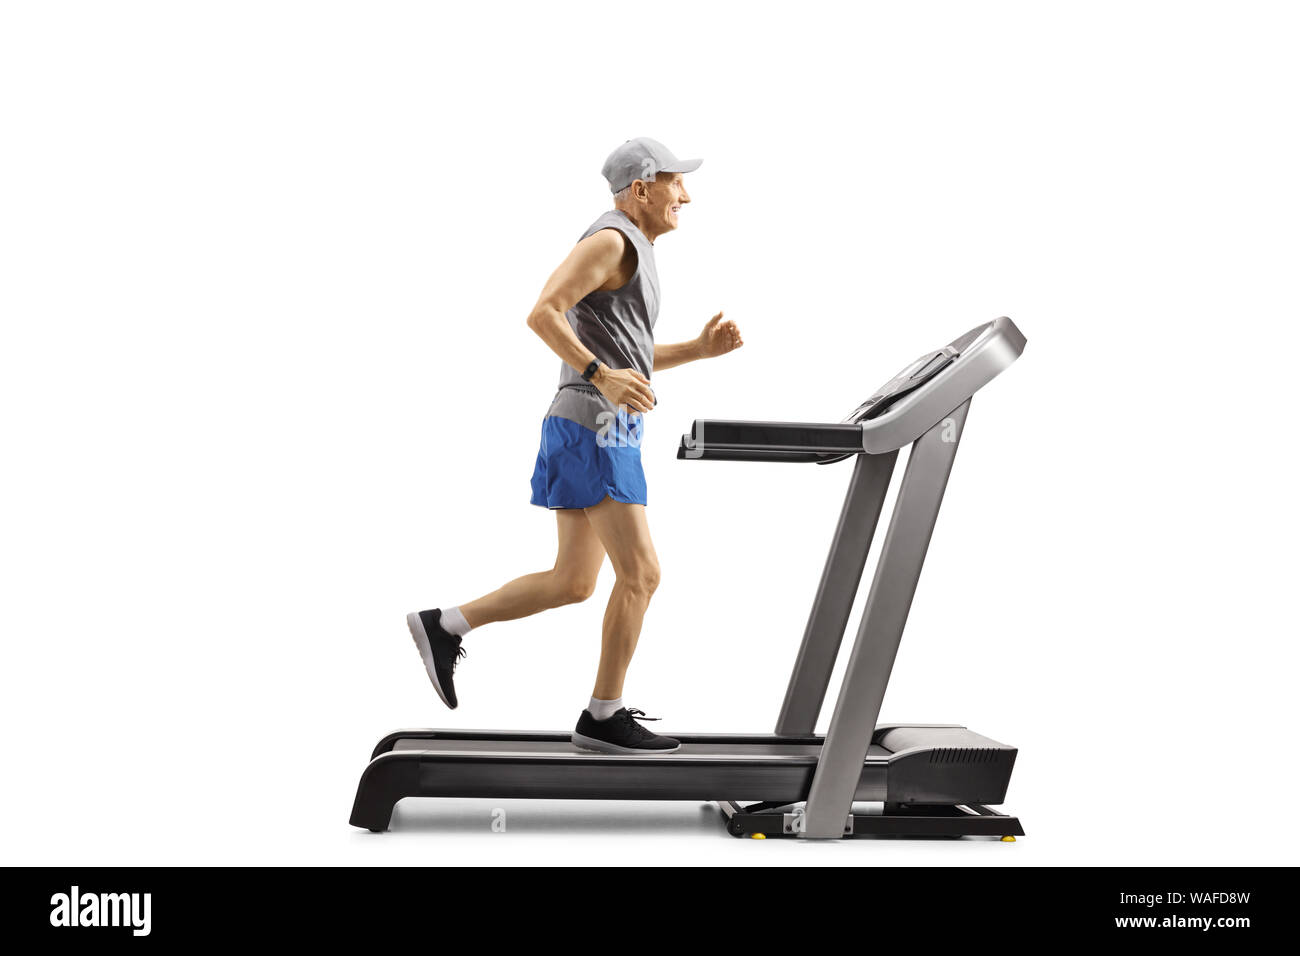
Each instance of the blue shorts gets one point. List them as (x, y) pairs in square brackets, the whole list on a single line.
[(578, 467)]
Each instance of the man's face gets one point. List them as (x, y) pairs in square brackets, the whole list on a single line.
[(665, 198)]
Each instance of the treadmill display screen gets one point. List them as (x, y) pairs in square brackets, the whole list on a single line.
[(913, 376), (908, 380)]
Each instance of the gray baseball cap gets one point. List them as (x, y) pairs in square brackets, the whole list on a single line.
[(643, 158)]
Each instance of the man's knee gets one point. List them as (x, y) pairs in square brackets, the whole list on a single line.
[(643, 578), (574, 589)]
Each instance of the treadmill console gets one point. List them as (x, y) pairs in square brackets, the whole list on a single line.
[(897, 414), (925, 371), (909, 379), (913, 377)]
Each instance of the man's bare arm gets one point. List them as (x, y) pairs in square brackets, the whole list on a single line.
[(672, 354), (718, 338), (592, 264)]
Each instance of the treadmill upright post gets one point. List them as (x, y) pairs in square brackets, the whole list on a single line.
[(811, 674), (893, 586)]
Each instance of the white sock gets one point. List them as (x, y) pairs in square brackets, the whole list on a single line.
[(453, 622), (604, 709)]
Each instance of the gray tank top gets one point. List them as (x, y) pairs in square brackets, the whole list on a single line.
[(618, 326)]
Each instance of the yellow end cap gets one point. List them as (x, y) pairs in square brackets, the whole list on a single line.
[(1008, 839)]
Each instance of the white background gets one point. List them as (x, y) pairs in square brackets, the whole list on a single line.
[(267, 387)]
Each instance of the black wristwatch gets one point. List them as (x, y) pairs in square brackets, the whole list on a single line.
[(590, 370)]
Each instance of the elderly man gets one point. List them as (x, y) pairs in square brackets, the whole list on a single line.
[(597, 312)]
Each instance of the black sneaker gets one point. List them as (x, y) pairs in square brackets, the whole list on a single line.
[(438, 649), (620, 734)]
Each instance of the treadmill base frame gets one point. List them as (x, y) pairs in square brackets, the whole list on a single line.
[(897, 820)]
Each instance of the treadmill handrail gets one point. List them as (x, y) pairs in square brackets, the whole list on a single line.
[(726, 439)]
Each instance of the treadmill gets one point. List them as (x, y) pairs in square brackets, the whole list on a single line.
[(932, 779)]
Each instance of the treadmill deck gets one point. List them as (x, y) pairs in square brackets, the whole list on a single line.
[(936, 764)]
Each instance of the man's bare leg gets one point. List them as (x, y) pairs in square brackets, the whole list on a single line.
[(573, 578), (438, 632), (623, 531)]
